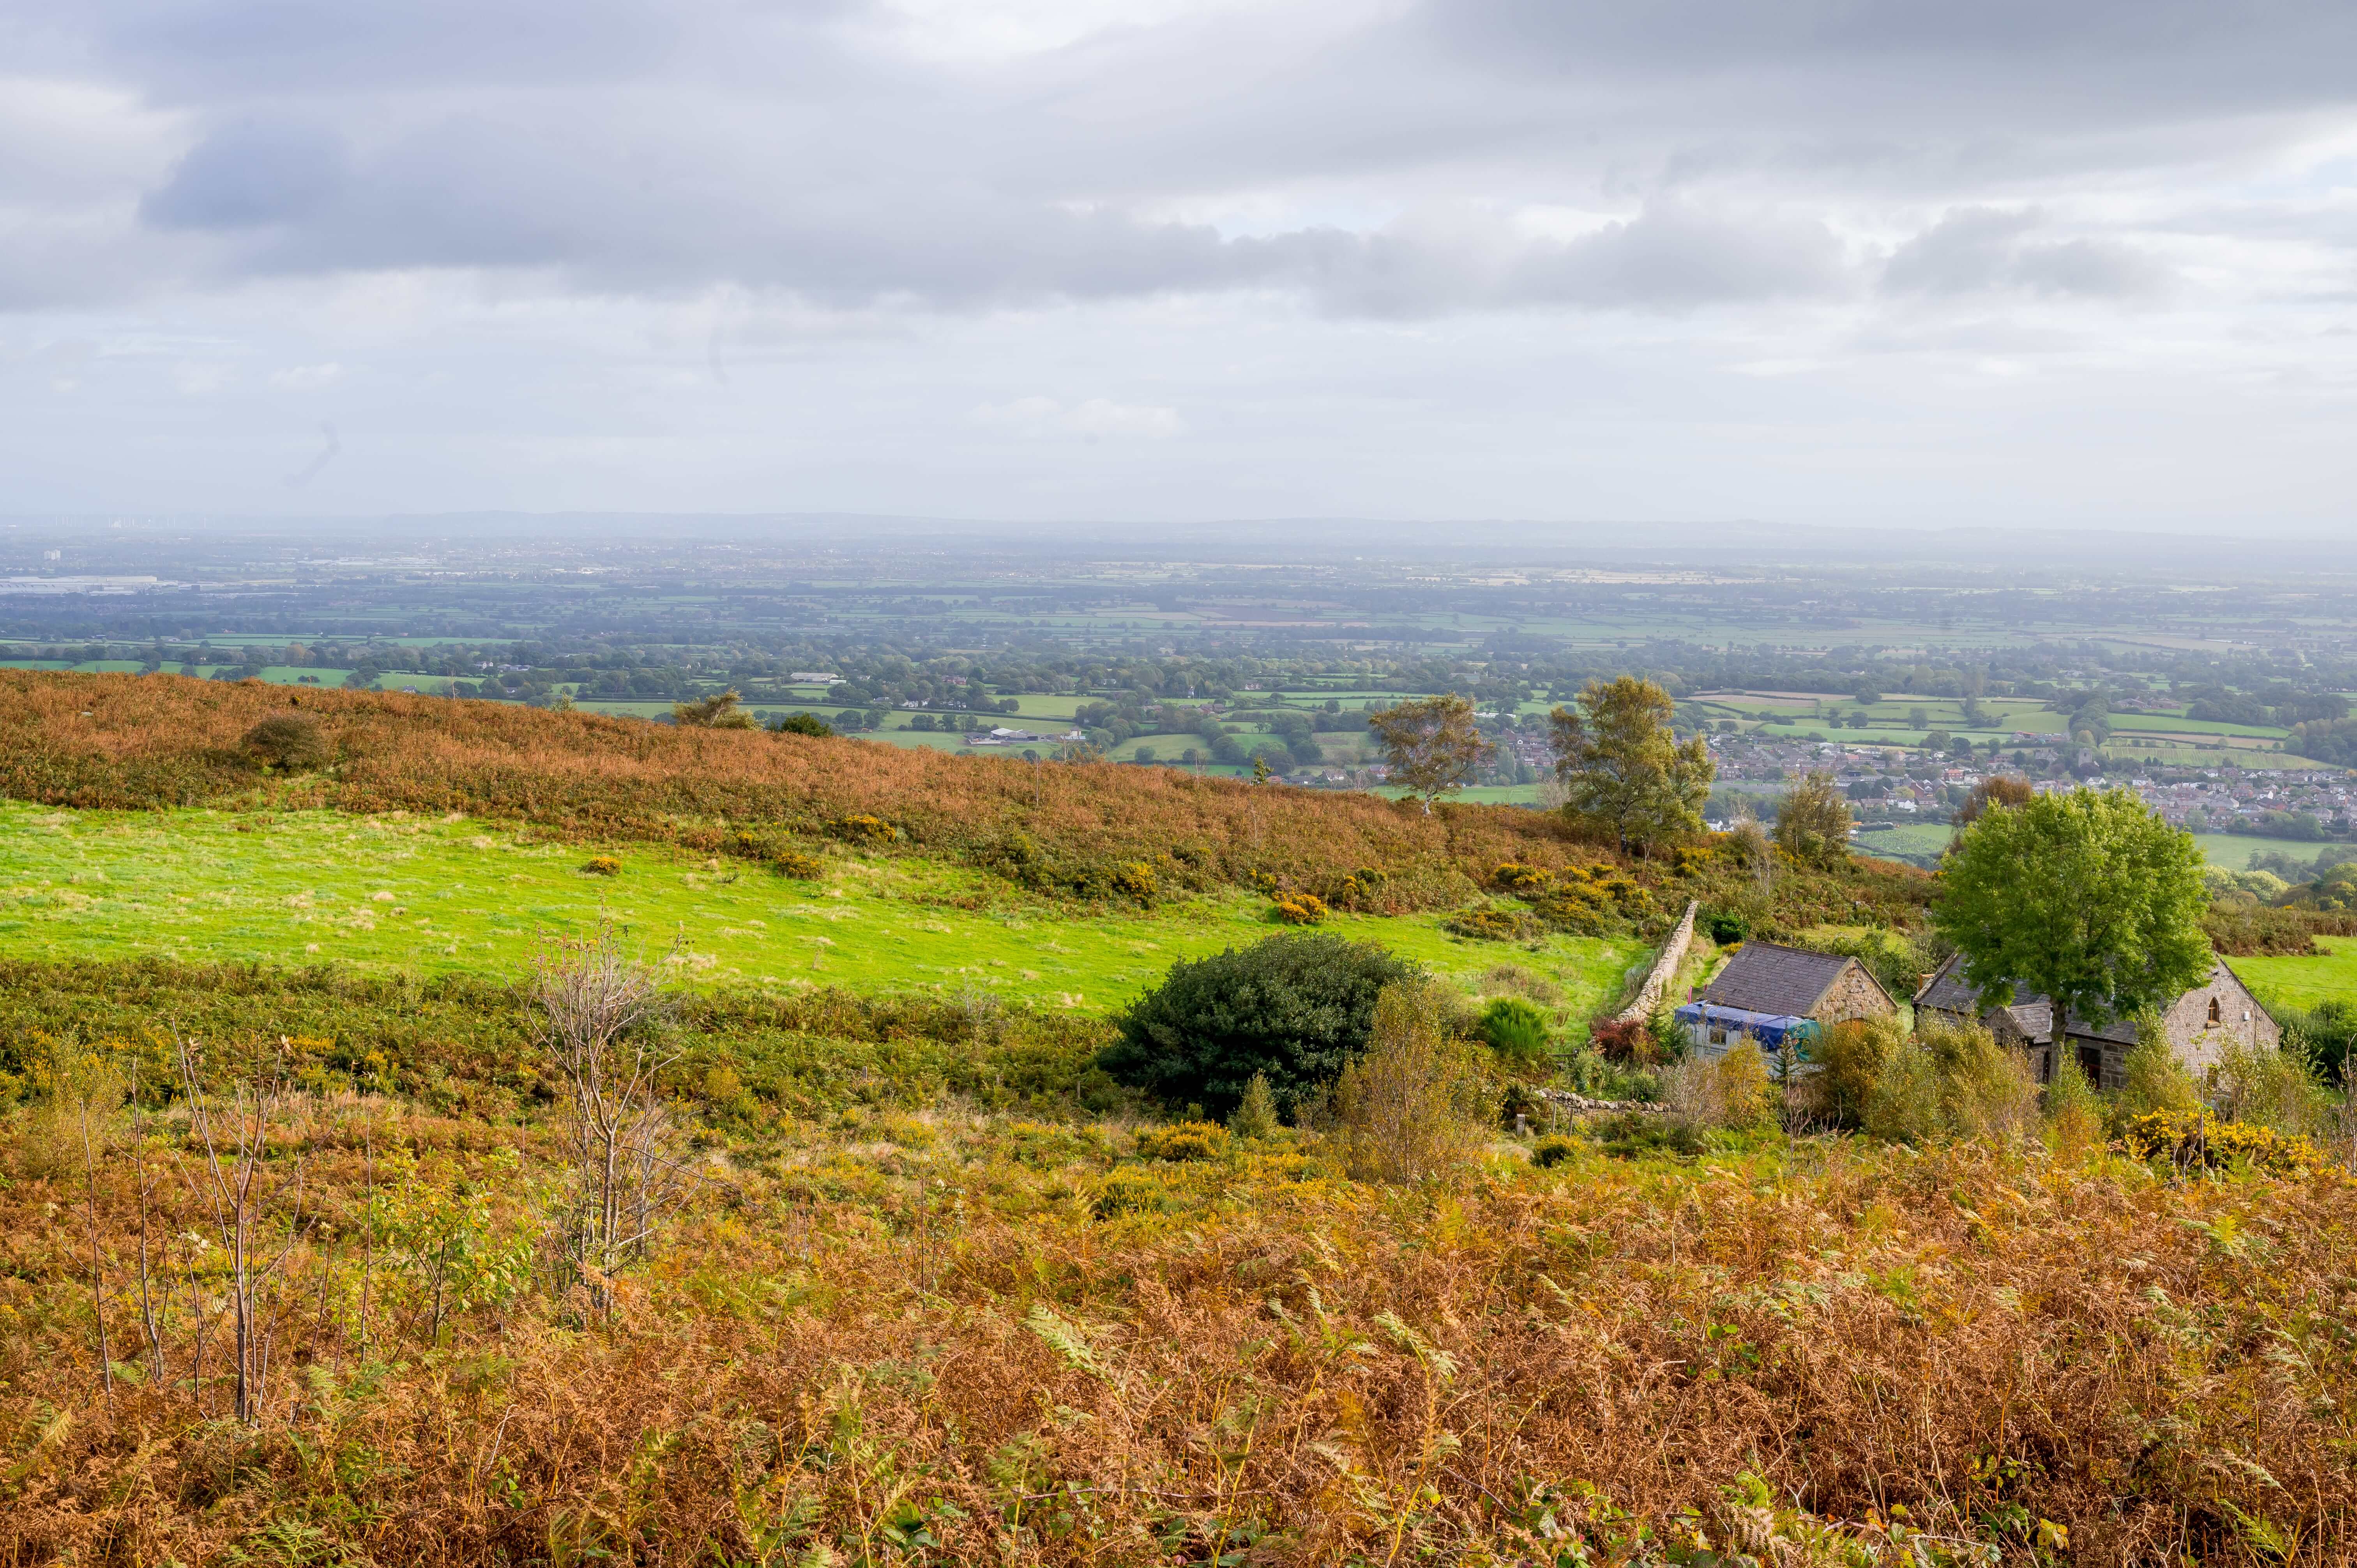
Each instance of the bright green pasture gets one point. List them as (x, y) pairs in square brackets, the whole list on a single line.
[(2285, 982), (444, 894)]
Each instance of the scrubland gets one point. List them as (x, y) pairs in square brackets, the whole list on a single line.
[(291, 1267), (959, 1337)]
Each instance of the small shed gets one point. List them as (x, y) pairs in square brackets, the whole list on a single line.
[(1770, 994)]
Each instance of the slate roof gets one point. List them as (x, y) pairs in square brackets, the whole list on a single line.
[(1765, 978), (1946, 989)]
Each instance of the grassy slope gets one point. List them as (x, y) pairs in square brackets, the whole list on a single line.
[(437, 896), (2304, 982)]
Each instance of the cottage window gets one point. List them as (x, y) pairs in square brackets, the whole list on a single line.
[(2214, 1015), (1718, 1036)]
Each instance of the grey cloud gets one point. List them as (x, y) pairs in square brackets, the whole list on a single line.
[(1668, 257), (1976, 249), (249, 174), (278, 46)]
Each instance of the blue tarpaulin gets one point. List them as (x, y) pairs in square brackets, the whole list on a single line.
[(1769, 1031)]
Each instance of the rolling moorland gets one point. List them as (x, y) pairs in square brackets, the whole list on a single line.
[(934, 1285)]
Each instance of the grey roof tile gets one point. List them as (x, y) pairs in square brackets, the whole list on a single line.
[(1763, 977)]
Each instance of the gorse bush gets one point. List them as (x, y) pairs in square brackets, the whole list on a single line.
[(1294, 1009)]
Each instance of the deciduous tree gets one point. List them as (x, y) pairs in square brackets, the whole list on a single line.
[(1813, 821), (2089, 897), (1430, 745), (1624, 773)]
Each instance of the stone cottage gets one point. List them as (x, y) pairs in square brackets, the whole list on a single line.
[(2200, 1023), (1765, 989)]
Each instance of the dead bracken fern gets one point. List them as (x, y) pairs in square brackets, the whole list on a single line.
[(1595, 1362)]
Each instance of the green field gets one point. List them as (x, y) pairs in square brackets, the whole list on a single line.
[(441, 895), (2232, 851), (2285, 982)]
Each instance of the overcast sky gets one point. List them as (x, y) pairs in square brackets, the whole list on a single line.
[(2090, 262)]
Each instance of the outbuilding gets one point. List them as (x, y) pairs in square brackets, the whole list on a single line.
[(2200, 1025), (1771, 995)]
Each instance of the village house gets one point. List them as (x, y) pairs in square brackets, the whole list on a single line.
[(2200, 1025), (1770, 994)]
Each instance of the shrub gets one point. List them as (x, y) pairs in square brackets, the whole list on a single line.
[(2152, 1077), (1849, 1062), (1491, 925), (790, 862), (1409, 1109), (1182, 1141), (602, 865), (2074, 1113), (1730, 1091), (1549, 1153), (1256, 1114), (1904, 1107), (1724, 927), (2269, 1087), (1634, 1133), (861, 827), (718, 711), (1624, 1040), (1986, 1089), (802, 724), (2191, 1138), (2323, 1035), (1301, 908), (1515, 1029), (290, 741), (1126, 1192), (1294, 1009)]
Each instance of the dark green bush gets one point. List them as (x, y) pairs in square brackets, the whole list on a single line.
[(286, 740), (1725, 927), (1296, 1007), (1516, 1029), (802, 724)]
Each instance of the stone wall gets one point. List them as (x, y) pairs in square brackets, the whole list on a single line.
[(1664, 970)]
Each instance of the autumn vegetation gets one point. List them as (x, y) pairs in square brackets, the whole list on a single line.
[(1298, 1258)]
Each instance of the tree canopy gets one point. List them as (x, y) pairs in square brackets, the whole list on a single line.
[(2088, 897), (1430, 745), (1813, 821), (1624, 773)]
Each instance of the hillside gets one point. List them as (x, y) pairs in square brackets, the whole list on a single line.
[(1093, 831)]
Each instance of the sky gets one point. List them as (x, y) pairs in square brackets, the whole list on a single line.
[(1856, 262)]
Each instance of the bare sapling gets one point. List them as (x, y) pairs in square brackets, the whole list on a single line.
[(87, 1086), (599, 1009), (239, 1190), (153, 1314)]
